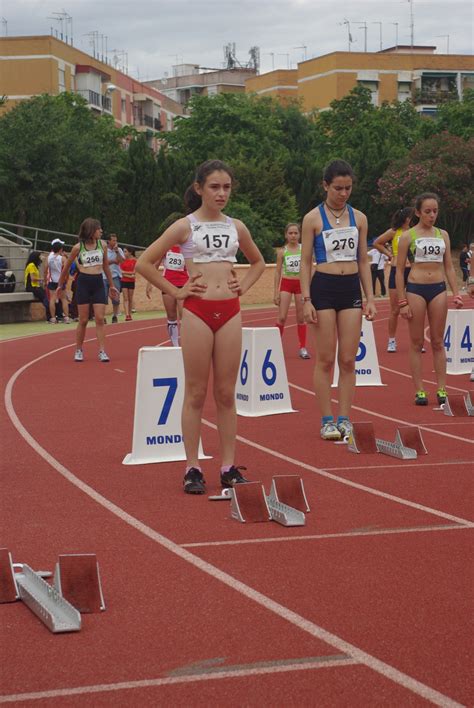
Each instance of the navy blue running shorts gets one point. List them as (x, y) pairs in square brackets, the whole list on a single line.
[(336, 292), (90, 290)]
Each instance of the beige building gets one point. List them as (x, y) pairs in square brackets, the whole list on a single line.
[(392, 74), (30, 66), (189, 80)]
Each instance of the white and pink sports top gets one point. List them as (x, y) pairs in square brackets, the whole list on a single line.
[(211, 241)]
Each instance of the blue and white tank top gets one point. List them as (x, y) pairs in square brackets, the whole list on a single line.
[(335, 244)]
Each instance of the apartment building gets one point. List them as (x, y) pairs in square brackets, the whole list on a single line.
[(392, 74), (30, 66), (189, 80)]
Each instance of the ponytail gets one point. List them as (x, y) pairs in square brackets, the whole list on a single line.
[(192, 199), (400, 216)]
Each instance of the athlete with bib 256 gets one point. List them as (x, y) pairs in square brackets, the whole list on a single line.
[(211, 328), (429, 250), (336, 234), (91, 254)]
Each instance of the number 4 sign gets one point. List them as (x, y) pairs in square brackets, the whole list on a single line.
[(459, 341)]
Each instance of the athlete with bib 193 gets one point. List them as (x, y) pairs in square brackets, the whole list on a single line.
[(336, 234), (211, 330), (429, 250)]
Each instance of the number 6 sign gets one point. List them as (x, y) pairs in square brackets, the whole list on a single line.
[(262, 385)]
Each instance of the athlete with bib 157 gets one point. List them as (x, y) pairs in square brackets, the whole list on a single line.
[(211, 328), (332, 299), (429, 250)]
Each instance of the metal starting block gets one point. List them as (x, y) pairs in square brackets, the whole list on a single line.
[(458, 405), (226, 495), (362, 440), (77, 579), (8, 587), (289, 490), (249, 503), (46, 602), (285, 504), (410, 436)]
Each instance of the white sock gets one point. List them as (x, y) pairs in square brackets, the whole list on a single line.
[(173, 333)]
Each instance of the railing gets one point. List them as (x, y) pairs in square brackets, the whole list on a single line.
[(40, 239), (92, 97), (107, 103), (14, 249), (433, 97)]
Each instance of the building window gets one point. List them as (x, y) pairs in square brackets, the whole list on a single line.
[(123, 104)]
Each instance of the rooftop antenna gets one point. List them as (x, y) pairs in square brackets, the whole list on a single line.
[(363, 25), (380, 33), (272, 55), (446, 37), (396, 33), (412, 25), (5, 26), (304, 48), (349, 36), (65, 21), (254, 62)]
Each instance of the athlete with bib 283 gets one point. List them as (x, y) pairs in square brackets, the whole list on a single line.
[(429, 250), (211, 328), (335, 234)]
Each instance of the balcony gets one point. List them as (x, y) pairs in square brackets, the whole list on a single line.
[(92, 97), (147, 122), (433, 97), (107, 103)]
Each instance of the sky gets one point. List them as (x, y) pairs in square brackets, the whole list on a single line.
[(153, 35)]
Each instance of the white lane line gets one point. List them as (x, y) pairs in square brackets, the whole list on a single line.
[(311, 628), (408, 376), (325, 536), (349, 483), (177, 680), (120, 371), (387, 417)]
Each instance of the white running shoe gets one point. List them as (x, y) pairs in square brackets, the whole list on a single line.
[(66, 320), (103, 356), (53, 320), (345, 428), (78, 356), (391, 346), (304, 353), (329, 431)]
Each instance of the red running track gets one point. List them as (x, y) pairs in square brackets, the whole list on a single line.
[(369, 604)]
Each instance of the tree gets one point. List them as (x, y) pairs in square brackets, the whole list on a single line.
[(458, 116), (58, 163), (443, 164)]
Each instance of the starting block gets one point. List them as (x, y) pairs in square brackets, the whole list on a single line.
[(458, 405), (8, 587), (77, 579), (289, 490), (285, 504), (249, 503), (46, 602), (410, 436), (19, 582), (362, 440)]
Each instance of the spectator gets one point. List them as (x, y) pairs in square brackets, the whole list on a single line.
[(464, 264), (56, 260), (33, 280), (127, 281), (377, 269), (7, 277), (115, 257)]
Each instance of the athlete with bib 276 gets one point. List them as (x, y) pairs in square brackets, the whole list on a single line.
[(429, 250), (335, 234), (211, 328)]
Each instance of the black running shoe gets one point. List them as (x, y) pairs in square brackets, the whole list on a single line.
[(232, 477), (194, 482)]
